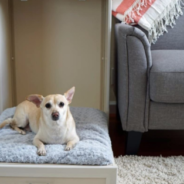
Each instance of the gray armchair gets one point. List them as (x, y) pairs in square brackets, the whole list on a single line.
[(150, 81)]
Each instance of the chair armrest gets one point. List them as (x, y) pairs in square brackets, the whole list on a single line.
[(133, 66)]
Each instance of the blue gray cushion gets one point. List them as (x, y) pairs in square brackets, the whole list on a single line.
[(94, 147), (167, 76)]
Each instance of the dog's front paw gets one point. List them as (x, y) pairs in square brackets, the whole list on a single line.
[(41, 152), (68, 148), (22, 132)]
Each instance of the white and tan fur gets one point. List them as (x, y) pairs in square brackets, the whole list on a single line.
[(35, 113)]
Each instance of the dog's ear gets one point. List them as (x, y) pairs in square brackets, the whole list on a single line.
[(69, 94), (36, 99)]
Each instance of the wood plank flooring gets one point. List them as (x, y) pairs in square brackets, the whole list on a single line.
[(154, 142)]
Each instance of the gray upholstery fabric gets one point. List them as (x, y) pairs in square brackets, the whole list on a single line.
[(166, 116), (171, 40), (167, 76), (174, 39), (134, 62), (150, 99)]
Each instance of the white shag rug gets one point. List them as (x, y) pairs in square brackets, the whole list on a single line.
[(150, 170)]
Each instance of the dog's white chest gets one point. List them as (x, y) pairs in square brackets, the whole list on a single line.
[(53, 136)]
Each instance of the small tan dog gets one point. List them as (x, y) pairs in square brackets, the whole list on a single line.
[(49, 118)]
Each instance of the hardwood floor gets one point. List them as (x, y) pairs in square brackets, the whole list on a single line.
[(154, 142)]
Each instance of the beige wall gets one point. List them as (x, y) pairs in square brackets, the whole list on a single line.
[(58, 44), (45, 62), (5, 57)]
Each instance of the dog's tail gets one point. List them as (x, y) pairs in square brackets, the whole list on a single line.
[(6, 122)]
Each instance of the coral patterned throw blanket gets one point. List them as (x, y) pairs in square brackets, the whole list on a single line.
[(152, 15)]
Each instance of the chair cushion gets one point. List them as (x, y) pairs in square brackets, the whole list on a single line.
[(167, 76)]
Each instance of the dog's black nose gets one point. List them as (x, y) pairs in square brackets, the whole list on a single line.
[(55, 116)]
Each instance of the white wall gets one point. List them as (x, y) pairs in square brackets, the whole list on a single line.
[(5, 57)]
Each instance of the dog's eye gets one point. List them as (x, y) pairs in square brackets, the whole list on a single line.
[(48, 105), (61, 104)]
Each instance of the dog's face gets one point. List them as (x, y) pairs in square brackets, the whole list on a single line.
[(53, 107)]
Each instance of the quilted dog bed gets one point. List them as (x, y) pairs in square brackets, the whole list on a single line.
[(94, 147)]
